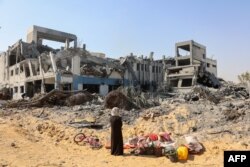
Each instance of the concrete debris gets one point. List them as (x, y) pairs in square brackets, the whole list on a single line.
[(201, 92), (232, 114), (141, 99), (55, 97), (227, 90), (118, 99), (234, 91), (208, 79), (86, 69), (79, 98), (88, 122)]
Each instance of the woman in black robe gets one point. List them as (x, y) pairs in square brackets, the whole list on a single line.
[(116, 133)]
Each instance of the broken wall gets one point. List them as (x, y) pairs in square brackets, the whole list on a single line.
[(144, 72), (2, 70), (211, 66)]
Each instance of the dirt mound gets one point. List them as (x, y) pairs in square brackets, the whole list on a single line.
[(118, 99), (79, 98)]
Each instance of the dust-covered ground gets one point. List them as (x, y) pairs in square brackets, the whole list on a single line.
[(36, 137)]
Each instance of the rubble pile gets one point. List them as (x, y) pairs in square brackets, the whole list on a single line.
[(201, 92), (234, 91), (118, 99), (79, 98), (54, 97), (227, 90), (208, 79), (141, 99), (87, 69)]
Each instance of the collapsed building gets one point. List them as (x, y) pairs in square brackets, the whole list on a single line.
[(31, 67), (190, 66)]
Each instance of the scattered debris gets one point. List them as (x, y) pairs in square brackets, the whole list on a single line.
[(54, 97), (79, 98), (201, 92), (118, 99)]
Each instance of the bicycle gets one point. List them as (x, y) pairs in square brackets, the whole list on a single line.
[(93, 141)]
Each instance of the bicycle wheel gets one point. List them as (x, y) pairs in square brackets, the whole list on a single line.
[(79, 138)]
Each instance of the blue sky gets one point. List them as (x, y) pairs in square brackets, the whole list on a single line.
[(119, 27)]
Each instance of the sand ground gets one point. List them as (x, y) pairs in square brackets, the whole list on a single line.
[(22, 145)]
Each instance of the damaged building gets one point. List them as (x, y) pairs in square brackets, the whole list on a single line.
[(143, 72), (190, 66), (31, 67)]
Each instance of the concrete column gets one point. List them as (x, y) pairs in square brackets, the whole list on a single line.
[(30, 68), (179, 83), (66, 44), (191, 53), (75, 43), (176, 55), (76, 64), (194, 80), (24, 88), (39, 41), (57, 81), (80, 86), (7, 65), (32, 36), (176, 61), (51, 55), (42, 86), (40, 66), (103, 90), (143, 72)]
